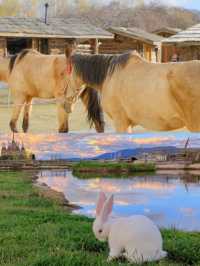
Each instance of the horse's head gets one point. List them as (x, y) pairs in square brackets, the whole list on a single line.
[(74, 83)]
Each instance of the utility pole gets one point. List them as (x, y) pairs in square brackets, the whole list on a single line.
[(13, 136), (186, 147)]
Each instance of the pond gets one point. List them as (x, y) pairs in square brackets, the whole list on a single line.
[(171, 200)]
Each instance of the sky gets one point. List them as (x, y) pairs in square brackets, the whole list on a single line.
[(57, 146), (191, 4)]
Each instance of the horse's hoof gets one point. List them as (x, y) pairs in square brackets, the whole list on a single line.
[(13, 127), (63, 131), (25, 126), (14, 130), (25, 129)]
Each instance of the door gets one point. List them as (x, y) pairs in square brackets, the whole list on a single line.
[(44, 46)]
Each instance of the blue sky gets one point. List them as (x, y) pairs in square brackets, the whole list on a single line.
[(191, 4)]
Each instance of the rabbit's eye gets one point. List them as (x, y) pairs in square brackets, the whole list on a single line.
[(100, 231)]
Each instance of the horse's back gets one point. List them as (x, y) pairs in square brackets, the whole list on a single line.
[(37, 72), (142, 90)]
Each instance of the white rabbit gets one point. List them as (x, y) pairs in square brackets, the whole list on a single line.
[(136, 237)]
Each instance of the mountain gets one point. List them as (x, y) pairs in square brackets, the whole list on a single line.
[(128, 153), (149, 17)]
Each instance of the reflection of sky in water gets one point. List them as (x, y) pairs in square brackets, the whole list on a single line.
[(168, 200), (90, 145)]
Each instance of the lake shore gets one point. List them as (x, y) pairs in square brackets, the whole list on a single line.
[(121, 168), (99, 167), (89, 168), (37, 230)]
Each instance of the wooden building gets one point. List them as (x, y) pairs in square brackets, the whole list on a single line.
[(126, 39), (166, 32), (18, 33), (185, 45)]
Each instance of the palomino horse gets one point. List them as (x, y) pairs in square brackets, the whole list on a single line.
[(31, 74), (159, 97)]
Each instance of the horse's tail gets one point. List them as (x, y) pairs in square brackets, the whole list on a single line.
[(4, 68), (92, 102), (18, 58), (7, 64)]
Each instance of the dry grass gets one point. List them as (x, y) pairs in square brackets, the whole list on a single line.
[(44, 118)]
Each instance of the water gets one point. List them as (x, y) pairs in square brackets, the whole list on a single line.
[(169, 200)]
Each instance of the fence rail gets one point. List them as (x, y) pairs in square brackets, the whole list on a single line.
[(23, 164)]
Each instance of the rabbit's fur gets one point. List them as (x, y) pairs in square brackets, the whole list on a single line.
[(136, 237)]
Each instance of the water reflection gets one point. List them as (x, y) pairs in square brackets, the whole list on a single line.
[(170, 200)]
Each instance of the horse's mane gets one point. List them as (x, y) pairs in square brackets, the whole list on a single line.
[(18, 57), (94, 69)]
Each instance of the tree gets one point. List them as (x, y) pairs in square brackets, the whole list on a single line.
[(9, 7), (29, 8), (63, 7), (83, 5)]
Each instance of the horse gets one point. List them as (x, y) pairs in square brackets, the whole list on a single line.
[(156, 96), (31, 74)]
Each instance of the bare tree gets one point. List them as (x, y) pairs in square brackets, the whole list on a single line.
[(9, 7)]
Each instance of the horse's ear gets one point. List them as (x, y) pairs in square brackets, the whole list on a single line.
[(70, 48)]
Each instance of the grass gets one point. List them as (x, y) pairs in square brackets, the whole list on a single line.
[(42, 113), (36, 231), (92, 175), (112, 167)]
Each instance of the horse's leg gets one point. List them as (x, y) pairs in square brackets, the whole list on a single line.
[(62, 118), (27, 109), (18, 104)]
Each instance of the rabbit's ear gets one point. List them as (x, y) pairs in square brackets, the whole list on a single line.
[(100, 203), (107, 208)]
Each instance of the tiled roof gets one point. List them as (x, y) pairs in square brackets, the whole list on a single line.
[(136, 33), (191, 34), (56, 27)]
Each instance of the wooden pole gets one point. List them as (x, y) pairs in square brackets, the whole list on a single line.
[(96, 46)]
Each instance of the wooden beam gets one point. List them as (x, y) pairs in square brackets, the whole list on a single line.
[(95, 46), (35, 45)]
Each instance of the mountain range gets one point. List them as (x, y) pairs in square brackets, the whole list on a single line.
[(128, 153)]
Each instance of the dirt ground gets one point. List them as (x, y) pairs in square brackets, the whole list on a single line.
[(44, 118)]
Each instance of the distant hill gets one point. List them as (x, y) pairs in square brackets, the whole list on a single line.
[(128, 153), (148, 17)]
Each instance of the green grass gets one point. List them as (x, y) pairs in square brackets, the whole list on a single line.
[(121, 168), (35, 231), (92, 175)]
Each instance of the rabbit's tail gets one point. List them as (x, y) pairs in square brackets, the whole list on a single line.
[(162, 254)]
